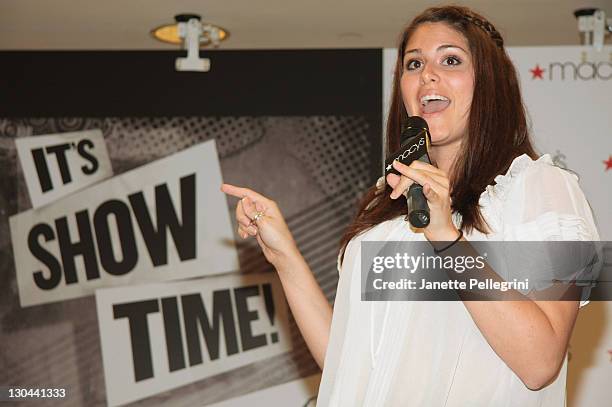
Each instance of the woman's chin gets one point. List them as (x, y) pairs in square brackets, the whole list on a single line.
[(437, 134)]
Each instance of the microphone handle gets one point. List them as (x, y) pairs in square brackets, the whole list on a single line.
[(418, 210)]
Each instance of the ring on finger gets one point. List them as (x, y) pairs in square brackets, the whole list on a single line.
[(257, 216)]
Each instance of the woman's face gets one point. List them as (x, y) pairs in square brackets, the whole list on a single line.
[(437, 81)]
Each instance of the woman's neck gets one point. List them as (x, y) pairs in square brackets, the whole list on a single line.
[(444, 156)]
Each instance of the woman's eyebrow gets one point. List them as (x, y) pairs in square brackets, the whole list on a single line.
[(441, 47)]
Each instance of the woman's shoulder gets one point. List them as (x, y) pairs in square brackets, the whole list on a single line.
[(540, 172), (539, 200)]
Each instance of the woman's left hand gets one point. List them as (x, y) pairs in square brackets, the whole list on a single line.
[(436, 188)]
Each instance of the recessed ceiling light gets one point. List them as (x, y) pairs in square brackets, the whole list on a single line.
[(170, 33)]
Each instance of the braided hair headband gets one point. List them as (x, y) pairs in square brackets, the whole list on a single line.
[(487, 27)]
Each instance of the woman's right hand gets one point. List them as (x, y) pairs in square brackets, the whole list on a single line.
[(270, 229)]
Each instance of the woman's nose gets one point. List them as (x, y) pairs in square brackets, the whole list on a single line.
[(428, 74)]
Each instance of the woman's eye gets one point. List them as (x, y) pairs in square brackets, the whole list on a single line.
[(451, 61), (413, 64)]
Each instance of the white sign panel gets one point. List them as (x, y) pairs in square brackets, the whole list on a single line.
[(166, 220), (161, 336), (57, 165)]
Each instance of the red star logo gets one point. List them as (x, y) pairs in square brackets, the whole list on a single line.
[(610, 353), (537, 72), (608, 163)]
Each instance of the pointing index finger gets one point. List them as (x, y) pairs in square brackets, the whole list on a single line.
[(240, 192)]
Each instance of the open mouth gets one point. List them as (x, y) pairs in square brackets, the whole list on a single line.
[(434, 103)]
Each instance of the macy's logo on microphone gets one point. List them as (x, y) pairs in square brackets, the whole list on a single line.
[(411, 150), (408, 152)]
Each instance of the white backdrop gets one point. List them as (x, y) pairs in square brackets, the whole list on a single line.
[(568, 94)]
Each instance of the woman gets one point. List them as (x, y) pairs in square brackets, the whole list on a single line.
[(487, 184)]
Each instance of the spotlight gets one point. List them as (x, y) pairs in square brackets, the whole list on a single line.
[(190, 32), (593, 26)]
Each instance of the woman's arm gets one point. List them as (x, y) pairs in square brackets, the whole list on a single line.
[(531, 337), (310, 308), (260, 217)]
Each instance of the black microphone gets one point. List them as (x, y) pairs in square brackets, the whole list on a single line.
[(414, 145)]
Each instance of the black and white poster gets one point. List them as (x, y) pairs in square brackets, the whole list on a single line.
[(314, 167)]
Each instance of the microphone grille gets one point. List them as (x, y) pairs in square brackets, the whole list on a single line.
[(413, 126)]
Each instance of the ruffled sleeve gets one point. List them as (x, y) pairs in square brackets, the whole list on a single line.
[(543, 202)]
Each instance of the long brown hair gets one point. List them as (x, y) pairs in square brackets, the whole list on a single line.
[(497, 130)]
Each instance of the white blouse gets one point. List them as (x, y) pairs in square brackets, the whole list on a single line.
[(431, 353)]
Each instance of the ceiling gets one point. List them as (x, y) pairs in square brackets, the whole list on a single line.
[(267, 24)]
